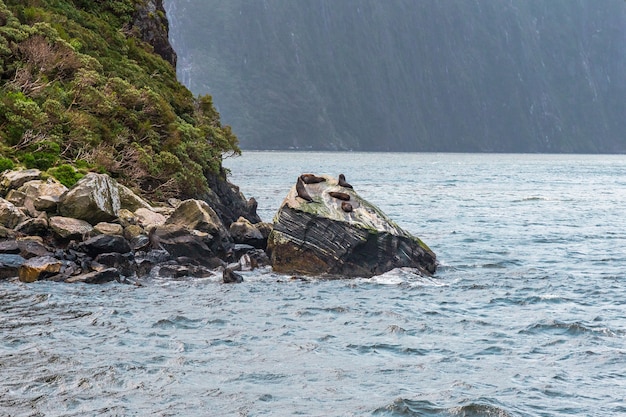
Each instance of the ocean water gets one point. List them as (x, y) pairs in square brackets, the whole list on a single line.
[(525, 317)]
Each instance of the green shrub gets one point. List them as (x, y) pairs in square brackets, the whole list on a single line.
[(5, 163), (66, 175)]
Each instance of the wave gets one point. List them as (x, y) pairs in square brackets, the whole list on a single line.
[(406, 407)]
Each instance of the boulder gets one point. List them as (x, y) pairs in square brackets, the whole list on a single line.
[(32, 248), (123, 262), (148, 218), (94, 198), (33, 227), (10, 216), (38, 268), (104, 244), (335, 237), (41, 195), (198, 215), (130, 200), (245, 232), (104, 228), (69, 228), (180, 242), (96, 277), (10, 265), (14, 179)]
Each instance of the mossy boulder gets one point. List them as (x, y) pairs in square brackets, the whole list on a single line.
[(340, 234)]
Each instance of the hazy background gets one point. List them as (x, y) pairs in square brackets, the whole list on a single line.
[(410, 75)]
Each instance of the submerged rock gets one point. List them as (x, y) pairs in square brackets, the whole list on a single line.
[(321, 237)]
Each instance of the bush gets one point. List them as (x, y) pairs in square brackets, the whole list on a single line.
[(5, 163), (66, 175)]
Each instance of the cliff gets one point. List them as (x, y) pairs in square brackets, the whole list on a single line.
[(91, 87), (403, 75)]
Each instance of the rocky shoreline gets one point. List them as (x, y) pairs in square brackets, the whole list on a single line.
[(100, 231)]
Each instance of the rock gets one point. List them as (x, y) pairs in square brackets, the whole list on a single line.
[(69, 228), (126, 217), (10, 265), (132, 231), (104, 228), (183, 271), (245, 232), (42, 195), (198, 215), (33, 227), (104, 244), (96, 277), (9, 246), (229, 276), (146, 261), (38, 268), (319, 238), (15, 179), (16, 197), (10, 216), (180, 242), (123, 262), (94, 198), (32, 248), (153, 27), (130, 200), (148, 218)]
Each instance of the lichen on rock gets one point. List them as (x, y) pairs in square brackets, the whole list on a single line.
[(322, 238)]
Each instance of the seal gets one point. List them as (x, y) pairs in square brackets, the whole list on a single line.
[(345, 206), (339, 196), (301, 190), (311, 178), (342, 181)]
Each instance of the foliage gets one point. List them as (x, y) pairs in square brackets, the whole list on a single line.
[(5, 163), (78, 86), (66, 174)]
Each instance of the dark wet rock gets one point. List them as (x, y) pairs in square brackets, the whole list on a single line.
[(123, 262), (146, 261), (9, 246), (139, 242), (104, 244), (70, 228), (319, 238), (10, 265), (245, 232), (96, 277), (39, 268), (175, 270), (153, 27), (33, 227), (32, 248), (180, 242), (229, 276)]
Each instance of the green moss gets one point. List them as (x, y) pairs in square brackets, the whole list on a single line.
[(66, 174), (6, 163)]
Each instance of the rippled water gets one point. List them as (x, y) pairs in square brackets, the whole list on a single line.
[(526, 316)]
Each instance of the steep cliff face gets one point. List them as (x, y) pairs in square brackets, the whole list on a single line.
[(458, 75), (151, 21)]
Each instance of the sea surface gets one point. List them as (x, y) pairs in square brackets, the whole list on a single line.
[(526, 315)]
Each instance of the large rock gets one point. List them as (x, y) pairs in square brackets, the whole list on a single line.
[(198, 215), (15, 179), (245, 232), (104, 244), (10, 265), (323, 238), (94, 198), (38, 268), (69, 228), (42, 195), (180, 242), (10, 216)]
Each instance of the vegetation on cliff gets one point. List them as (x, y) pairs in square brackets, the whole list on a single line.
[(80, 91)]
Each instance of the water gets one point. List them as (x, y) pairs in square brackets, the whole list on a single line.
[(526, 316)]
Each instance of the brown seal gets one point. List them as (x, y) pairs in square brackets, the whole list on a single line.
[(345, 206), (340, 196), (311, 178), (301, 190), (342, 181)]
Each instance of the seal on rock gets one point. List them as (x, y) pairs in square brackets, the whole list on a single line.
[(342, 181), (311, 179), (345, 206), (339, 196), (301, 190)]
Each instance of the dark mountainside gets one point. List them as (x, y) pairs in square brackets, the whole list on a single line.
[(404, 75)]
